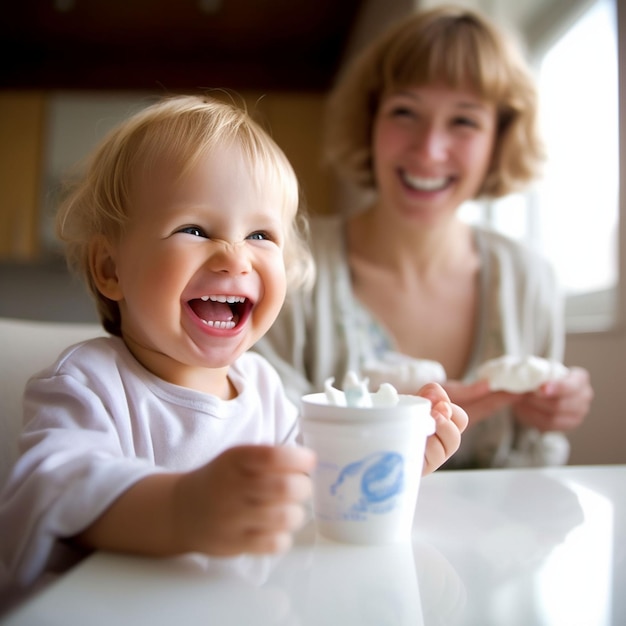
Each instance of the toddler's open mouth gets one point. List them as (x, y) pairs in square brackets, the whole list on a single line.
[(221, 311)]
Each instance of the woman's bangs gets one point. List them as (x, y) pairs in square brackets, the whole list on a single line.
[(459, 61)]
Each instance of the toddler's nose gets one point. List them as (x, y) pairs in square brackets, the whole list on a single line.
[(230, 257)]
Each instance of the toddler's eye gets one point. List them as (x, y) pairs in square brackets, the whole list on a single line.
[(193, 230), (259, 236)]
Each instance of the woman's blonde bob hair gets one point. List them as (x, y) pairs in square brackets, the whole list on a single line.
[(181, 129), (448, 46)]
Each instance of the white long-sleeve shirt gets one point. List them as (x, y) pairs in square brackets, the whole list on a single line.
[(326, 332), (97, 421)]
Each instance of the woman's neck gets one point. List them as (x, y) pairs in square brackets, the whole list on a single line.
[(403, 248)]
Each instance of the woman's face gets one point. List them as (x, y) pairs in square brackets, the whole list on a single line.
[(432, 148)]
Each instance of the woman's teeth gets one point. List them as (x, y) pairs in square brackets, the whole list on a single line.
[(425, 184)]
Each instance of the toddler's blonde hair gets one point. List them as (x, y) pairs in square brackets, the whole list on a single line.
[(182, 129)]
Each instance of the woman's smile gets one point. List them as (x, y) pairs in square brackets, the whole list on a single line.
[(422, 183)]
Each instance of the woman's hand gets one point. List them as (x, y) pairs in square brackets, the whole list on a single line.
[(478, 400), (450, 422), (557, 405)]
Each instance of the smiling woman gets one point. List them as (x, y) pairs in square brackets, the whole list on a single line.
[(438, 110)]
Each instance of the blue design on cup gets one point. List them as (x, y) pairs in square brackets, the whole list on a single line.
[(371, 484)]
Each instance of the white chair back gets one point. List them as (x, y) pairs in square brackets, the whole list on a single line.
[(26, 347)]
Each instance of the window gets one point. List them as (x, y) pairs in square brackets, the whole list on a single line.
[(571, 216)]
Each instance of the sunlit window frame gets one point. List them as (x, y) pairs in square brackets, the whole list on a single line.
[(593, 311)]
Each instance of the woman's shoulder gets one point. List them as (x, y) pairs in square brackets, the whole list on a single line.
[(506, 250), (517, 264)]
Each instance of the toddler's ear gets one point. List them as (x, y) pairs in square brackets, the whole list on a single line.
[(103, 268)]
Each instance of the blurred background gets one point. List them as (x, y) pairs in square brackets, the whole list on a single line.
[(73, 68)]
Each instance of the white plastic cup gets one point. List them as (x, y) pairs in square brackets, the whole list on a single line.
[(370, 462)]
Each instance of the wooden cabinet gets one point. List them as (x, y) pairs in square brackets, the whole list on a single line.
[(21, 124), (293, 118)]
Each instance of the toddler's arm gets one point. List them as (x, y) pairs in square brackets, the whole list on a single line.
[(248, 499), (450, 421)]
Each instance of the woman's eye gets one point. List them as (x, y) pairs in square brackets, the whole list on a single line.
[(466, 121), (193, 230), (401, 111)]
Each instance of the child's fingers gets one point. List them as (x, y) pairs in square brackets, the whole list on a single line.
[(442, 445), (452, 412), (443, 408), (448, 435), (459, 417), (264, 458), (433, 392), (263, 542), (279, 486), (270, 529), (277, 518)]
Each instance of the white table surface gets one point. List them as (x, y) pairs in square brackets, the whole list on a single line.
[(501, 547)]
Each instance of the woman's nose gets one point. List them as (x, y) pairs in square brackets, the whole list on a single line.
[(431, 143), (231, 258)]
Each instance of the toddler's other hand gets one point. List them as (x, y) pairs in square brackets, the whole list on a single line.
[(450, 421)]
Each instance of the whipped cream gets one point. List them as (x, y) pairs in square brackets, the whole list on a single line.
[(356, 393), (520, 374), (406, 374)]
